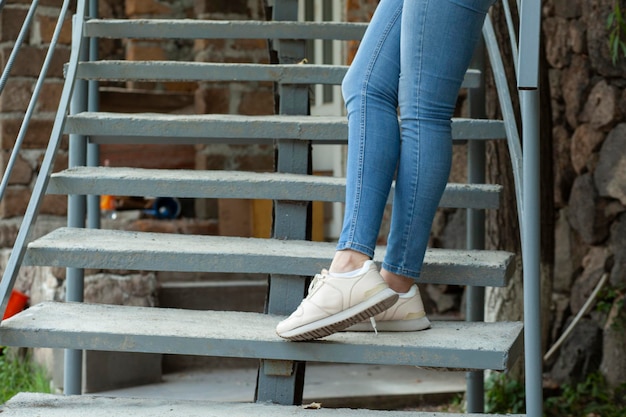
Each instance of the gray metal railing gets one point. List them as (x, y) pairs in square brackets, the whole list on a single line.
[(19, 249), (525, 163), (38, 86)]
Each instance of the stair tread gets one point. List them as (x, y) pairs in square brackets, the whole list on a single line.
[(49, 405), (115, 249), (237, 184), (103, 127), (209, 71), (454, 345), (222, 29)]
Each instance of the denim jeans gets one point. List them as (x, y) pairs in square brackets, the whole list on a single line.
[(413, 57)]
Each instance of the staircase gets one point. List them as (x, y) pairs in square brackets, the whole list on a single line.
[(288, 257)]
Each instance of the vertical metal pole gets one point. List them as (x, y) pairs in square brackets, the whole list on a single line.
[(528, 83), (531, 251), (93, 105), (282, 382), (76, 211), (475, 306)]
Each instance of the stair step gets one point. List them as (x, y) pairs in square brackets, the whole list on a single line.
[(221, 29), (237, 184), (206, 71), (116, 249), (452, 345), (48, 405), (104, 127)]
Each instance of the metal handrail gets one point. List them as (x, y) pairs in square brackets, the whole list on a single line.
[(18, 43), (525, 164), (35, 96), (19, 249)]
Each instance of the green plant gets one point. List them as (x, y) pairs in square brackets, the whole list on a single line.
[(617, 29), (20, 374), (591, 397), (504, 395)]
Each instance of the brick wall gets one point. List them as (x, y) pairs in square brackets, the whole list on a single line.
[(16, 97), (175, 97)]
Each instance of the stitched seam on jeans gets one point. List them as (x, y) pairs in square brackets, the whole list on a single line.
[(416, 179)]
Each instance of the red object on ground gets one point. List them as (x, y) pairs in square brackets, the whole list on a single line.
[(17, 302)]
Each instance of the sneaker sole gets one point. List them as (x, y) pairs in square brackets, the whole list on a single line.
[(392, 326), (344, 319)]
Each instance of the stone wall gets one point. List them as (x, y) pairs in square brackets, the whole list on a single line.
[(588, 112)]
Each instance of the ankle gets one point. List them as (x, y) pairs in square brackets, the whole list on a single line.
[(347, 261), (398, 283)]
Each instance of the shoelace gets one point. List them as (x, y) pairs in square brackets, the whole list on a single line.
[(373, 321), (317, 280)]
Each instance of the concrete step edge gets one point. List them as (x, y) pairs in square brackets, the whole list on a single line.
[(238, 184), (29, 404), (117, 249)]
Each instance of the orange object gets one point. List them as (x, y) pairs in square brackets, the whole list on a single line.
[(107, 202), (17, 302)]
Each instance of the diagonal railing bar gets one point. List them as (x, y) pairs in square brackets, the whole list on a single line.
[(512, 34), (19, 248), (33, 101), (508, 113), (18, 44)]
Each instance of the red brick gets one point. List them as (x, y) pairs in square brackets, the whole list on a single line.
[(11, 20), (60, 161), (55, 205), (14, 202), (47, 25), (181, 86), (8, 234), (50, 96), (209, 44), (210, 161), (37, 135), (235, 217), (257, 162), (16, 95), (145, 51), (149, 156), (146, 7), (22, 171), (213, 100), (250, 45), (258, 102), (223, 7), (28, 62)]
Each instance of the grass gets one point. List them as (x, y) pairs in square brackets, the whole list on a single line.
[(18, 373)]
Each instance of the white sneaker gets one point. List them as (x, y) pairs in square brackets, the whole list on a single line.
[(336, 303), (406, 315)]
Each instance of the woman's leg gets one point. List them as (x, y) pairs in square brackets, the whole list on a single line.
[(438, 38), (370, 90), (337, 300)]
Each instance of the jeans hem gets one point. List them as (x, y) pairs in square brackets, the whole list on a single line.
[(356, 247)]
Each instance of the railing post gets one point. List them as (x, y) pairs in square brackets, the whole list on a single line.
[(76, 212), (93, 105), (475, 296), (528, 83), (282, 382), (531, 251)]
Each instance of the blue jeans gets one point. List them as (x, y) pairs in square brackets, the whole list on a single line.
[(413, 57)]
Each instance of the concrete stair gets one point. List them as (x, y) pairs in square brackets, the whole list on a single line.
[(28, 405)]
